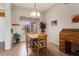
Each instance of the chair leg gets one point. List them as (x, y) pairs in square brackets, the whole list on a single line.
[(46, 51), (38, 52)]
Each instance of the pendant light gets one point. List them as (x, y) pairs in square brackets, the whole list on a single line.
[(36, 12)]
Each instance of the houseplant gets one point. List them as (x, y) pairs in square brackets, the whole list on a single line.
[(42, 26), (17, 37)]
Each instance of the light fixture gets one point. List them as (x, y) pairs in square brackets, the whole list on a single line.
[(35, 13)]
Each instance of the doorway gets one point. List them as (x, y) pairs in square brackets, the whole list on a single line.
[(29, 24)]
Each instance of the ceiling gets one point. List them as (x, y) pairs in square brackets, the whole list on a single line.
[(40, 6)]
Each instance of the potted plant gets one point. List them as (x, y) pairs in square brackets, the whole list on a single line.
[(42, 26), (17, 37)]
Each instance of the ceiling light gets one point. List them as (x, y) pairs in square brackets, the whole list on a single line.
[(35, 13)]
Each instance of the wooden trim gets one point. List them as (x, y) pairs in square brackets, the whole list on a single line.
[(16, 24), (2, 14)]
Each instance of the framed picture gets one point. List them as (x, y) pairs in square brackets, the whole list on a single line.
[(75, 19), (54, 22)]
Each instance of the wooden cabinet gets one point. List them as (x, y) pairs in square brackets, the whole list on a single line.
[(68, 37)]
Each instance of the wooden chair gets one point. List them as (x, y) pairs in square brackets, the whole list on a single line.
[(42, 42), (38, 44)]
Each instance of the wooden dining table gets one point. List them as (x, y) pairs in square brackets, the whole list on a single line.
[(33, 36)]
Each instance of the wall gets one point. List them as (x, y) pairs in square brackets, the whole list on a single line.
[(5, 26), (63, 14), (2, 39), (7, 36), (16, 13), (20, 11), (2, 24), (2, 6)]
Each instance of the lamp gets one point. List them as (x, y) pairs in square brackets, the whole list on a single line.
[(35, 13)]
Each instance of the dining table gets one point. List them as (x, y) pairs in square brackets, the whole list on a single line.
[(32, 36)]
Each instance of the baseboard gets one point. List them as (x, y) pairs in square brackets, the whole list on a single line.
[(57, 44)]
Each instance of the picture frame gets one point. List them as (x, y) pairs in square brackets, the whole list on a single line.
[(54, 22), (75, 19)]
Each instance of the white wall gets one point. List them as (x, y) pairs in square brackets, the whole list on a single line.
[(19, 11), (16, 13), (2, 39), (8, 38), (5, 25), (2, 6), (63, 14), (2, 33)]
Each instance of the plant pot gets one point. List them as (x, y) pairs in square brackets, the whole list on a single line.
[(17, 40)]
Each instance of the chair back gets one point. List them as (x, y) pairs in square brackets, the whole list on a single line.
[(42, 36)]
